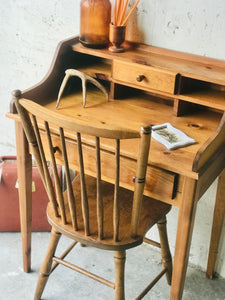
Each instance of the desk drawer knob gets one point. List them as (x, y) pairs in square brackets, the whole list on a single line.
[(55, 149), (140, 78)]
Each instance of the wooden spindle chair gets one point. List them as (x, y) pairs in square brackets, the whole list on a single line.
[(92, 211)]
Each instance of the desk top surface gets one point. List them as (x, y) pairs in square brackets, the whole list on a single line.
[(135, 112)]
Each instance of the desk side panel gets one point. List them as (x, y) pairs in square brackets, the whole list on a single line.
[(47, 89), (209, 151)]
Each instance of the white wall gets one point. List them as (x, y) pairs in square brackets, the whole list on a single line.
[(31, 30)]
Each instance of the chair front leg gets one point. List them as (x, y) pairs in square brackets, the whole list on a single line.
[(47, 264), (119, 261)]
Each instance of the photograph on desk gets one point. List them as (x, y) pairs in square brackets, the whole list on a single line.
[(170, 136)]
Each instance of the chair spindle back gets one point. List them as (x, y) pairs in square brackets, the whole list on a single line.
[(32, 115)]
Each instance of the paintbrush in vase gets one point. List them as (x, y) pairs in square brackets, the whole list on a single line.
[(120, 8)]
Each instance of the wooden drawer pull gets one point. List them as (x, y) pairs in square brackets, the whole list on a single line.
[(55, 149), (139, 78)]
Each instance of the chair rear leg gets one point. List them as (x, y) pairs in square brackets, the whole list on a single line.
[(119, 261), (46, 266), (165, 250)]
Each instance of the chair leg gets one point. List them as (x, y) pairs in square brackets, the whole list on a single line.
[(165, 250), (46, 266), (119, 261)]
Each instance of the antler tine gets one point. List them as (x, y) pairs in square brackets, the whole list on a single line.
[(62, 87), (98, 85), (84, 78)]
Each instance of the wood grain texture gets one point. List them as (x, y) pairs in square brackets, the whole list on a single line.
[(200, 126), (160, 184), (152, 78), (211, 147), (145, 110), (185, 172), (92, 211), (218, 219), (194, 66), (46, 265), (124, 233), (183, 239), (24, 165), (151, 208), (211, 171)]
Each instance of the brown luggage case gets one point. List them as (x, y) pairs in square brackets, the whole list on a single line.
[(9, 200)]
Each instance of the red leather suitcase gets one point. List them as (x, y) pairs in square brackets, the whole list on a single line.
[(9, 200)]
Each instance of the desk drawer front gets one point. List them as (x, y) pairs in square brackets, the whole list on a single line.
[(144, 77), (160, 184)]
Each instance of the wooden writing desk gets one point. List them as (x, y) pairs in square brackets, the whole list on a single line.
[(147, 85)]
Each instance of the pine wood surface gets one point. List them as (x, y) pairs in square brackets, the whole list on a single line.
[(211, 98), (152, 211), (124, 230), (160, 184), (24, 166), (122, 217), (99, 63), (135, 112), (202, 161), (194, 66), (185, 226), (218, 219), (200, 126), (152, 78)]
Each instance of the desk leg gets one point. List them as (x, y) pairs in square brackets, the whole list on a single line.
[(183, 240), (219, 214), (24, 167)]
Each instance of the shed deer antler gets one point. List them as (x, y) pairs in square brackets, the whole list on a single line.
[(84, 78)]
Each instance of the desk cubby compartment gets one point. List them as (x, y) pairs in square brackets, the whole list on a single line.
[(202, 93), (94, 66)]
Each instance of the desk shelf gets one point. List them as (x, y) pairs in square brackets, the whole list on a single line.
[(184, 79), (209, 98), (204, 93), (100, 69)]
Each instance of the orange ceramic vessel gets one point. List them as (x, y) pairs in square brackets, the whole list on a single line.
[(95, 17)]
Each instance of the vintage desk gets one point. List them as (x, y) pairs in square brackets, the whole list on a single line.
[(147, 85)]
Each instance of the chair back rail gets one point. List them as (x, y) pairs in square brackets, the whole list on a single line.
[(32, 113)]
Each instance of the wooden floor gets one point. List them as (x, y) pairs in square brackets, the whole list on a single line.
[(15, 284)]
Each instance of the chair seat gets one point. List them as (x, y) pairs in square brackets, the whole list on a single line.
[(152, 212)]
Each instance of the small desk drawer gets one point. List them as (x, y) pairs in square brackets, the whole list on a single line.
[(144, 77), (160, 184)]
